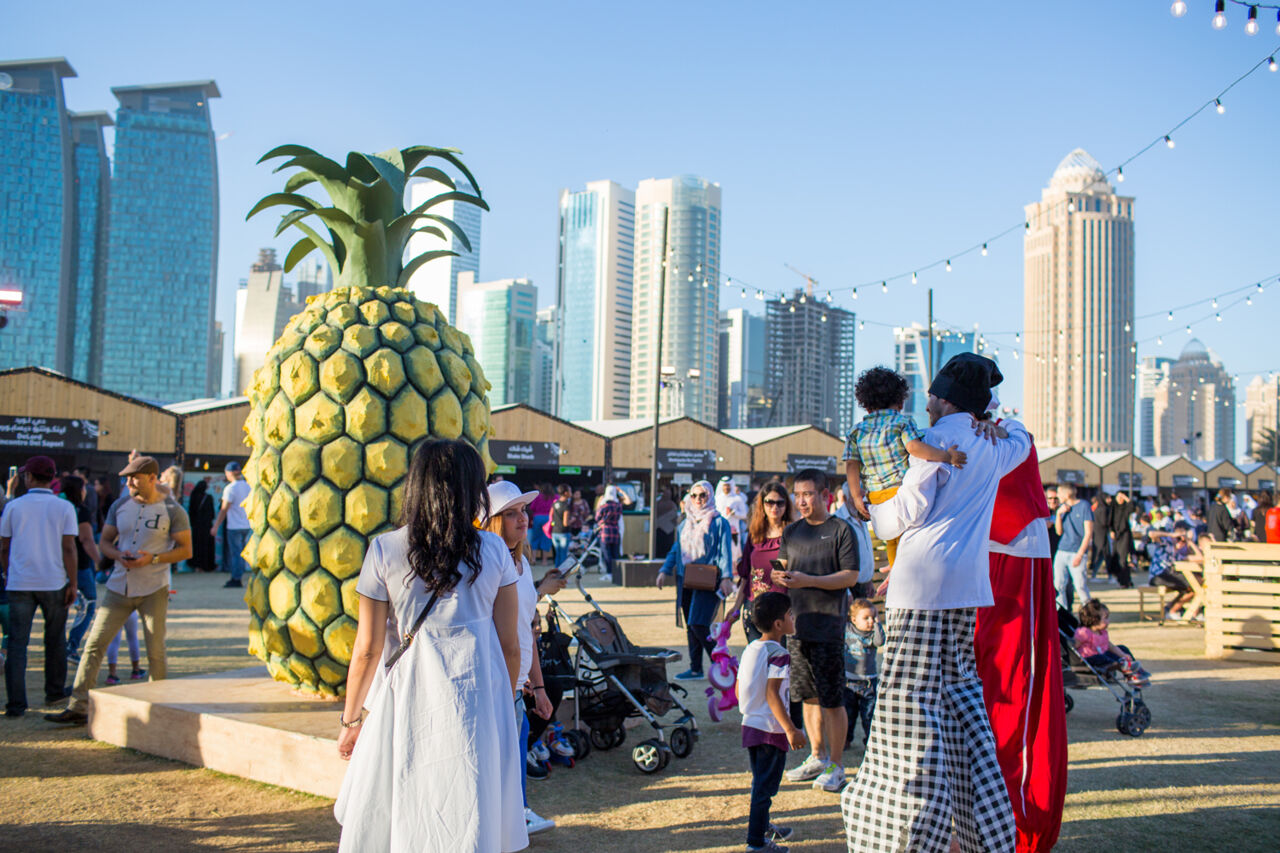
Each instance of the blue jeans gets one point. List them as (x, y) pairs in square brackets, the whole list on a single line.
[(1068, 578), (523, 746), (22, 610), (236, 540), (560, 544), (608, 556), (89, 586), (766, 774)]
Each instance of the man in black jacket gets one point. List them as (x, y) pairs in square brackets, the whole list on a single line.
[(1101, 533), (1219, 519), (1121, 539)]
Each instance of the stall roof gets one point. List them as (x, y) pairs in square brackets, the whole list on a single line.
[(1159, 462), (763, 435), (1103, 458), (204, 404), (623, 426)]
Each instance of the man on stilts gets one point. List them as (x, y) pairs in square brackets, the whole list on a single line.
[(1019, 659), (930, 770)]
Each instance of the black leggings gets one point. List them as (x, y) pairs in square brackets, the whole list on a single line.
[(697, 634), (537, 725)]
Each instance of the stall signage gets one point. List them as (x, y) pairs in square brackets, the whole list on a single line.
[(798, 462), (528, 454), (48, 433), (1130, 481), (1071, 475), (682, 479), (504, 469), (1267, 485), (570, 469), (1228, 483), (1182, 481), (673, 459)]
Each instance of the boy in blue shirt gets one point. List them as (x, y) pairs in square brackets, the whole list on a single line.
[(764, 675)]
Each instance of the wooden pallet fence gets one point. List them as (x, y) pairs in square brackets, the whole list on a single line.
[(1242, 619)]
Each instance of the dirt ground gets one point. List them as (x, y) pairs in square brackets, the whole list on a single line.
[(1204, 777)]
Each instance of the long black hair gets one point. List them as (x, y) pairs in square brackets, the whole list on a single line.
[(73, 490), (444, 494)]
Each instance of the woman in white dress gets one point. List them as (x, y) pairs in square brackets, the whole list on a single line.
[(434, 757), (509, 518)]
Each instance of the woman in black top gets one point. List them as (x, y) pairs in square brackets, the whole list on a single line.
[(201, 511)]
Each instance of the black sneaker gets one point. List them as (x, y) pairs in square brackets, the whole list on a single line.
[(14, 713), (778, 833), (232, 585), (535, 771), (73, 718)]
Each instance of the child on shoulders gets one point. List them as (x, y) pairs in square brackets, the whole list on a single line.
[(878, 449), (1095, 646), (764, 679), (862, 636)]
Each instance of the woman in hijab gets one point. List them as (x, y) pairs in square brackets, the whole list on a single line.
[(202, 513), (703, 537)]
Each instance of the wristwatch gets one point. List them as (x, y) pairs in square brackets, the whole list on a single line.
[(155, 558)]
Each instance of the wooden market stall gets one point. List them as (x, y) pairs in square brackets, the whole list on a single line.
[(1221, 474), (787, 449), (1261, 476), (1068, 465), (212, 432), (1242, 618), (1117, 466), (1176, 472)]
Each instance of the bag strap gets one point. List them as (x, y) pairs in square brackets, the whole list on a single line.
[(413, 632)]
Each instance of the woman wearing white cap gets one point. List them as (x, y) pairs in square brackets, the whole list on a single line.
[(508, 518), (436, 764)]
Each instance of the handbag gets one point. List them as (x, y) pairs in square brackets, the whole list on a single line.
[(701, 576), (413, 632)]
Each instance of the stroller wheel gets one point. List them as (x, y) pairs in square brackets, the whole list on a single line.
[(580, 742), (619, 735), (1134, 718), (666, 756), (721, 676), (1071, 703), (603, 739), (681, 741), (647, 756)]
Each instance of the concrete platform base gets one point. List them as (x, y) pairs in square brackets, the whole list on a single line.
[(238, 722)]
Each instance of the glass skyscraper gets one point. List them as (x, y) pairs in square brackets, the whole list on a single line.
[(37, 212), (593, 288), (92, 190), (437, 282), (499, 316), (911, 359), (163, 248)]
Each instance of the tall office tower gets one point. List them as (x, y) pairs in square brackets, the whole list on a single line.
[(37, 213), (742, 358), (809, 370), (215, 358), (911, 359), (689, 357), (437, 282), (89, 262), (593, 291), (500, 317), (264, 305), (162, 256), (1195, 407), (1152, 370), (543, 394), (1078, 309), (314, 277), (1261, 410)]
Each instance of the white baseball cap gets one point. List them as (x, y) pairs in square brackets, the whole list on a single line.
[(505, 494)]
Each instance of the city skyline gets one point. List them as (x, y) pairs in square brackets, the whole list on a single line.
[(938, 179)]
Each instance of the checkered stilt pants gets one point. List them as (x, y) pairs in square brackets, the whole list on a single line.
[(931, 760)]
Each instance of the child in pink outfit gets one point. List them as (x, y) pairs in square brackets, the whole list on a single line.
[(1096, 647)]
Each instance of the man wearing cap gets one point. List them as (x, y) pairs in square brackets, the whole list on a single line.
[(233, 513), (931, 761), (144, 534), (38, 556)]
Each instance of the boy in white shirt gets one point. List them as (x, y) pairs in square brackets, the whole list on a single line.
[(764, 675)]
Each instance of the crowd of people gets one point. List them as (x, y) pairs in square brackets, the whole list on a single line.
[(94, 554)]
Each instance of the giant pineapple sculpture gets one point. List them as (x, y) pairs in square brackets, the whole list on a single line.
[(357, 378)]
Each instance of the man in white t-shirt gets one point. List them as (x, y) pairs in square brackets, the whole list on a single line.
[(233, 513), (38, 556)]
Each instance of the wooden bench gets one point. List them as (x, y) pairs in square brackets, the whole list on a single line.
[(1242, 618), (1160, 591)]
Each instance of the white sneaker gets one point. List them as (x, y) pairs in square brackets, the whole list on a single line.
[(540, 750), (832, 779), (811, 769), (534, 824)]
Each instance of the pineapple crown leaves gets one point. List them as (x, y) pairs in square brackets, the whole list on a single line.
[(367, 225)]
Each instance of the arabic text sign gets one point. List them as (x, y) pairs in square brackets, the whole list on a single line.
[(528, 454), (48, 433)]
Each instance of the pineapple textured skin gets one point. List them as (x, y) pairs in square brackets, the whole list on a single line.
[(355, 381)]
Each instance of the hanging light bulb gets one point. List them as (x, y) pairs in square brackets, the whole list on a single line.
[(793, 309), (1168, 140), (802, 298), (1188, 329), (1071, 206), (1026, 226), (1178, 9), (1271, 65), (914, 278), (744, 293), (1159, 341), (884, 287), (1127, 327), (861, 325), (1252, 26), (948, 266), (1017, 336), (1248, 300), (1259, 287), (855, 293), (1120, 175), (705, 284), (984, 250), (1219, 317), (760, 295), (1133, 347), (829, 299), (824, 318), (1218, 103), (1219, 15), (1170, 316)]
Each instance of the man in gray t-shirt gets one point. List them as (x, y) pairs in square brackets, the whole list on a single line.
[(144, 533)]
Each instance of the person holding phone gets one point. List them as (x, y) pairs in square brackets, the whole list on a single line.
[(770, 514)]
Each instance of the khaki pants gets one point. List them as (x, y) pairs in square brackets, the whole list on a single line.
[(113, 612)]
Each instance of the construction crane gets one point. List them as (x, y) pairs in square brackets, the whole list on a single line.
[(809, 280)]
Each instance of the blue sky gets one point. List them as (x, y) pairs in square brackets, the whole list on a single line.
[(852, 140)]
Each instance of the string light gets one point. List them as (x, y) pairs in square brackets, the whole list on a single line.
[(1278, 22), (984, 250), (914, 278), (1168, 140), (1219, 15), (1170, 316), (1221, 108), (1271, 63), (1179, 8), (884, 287), (1252, 26), (948, 266), (1071, 206), (1159, 341), (1219, 316), (1120, 175), (1127, 327), (855, 293), (1188, 328)]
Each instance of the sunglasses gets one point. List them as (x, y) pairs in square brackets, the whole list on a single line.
[(775, 503), (698, 496)]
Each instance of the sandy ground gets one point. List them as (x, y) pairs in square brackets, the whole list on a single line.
[(1204, 777)]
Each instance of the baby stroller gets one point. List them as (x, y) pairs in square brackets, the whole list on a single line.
[(613, 680), (1134, 716)]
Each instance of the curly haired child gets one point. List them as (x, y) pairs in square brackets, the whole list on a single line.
[(1096, 647)]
